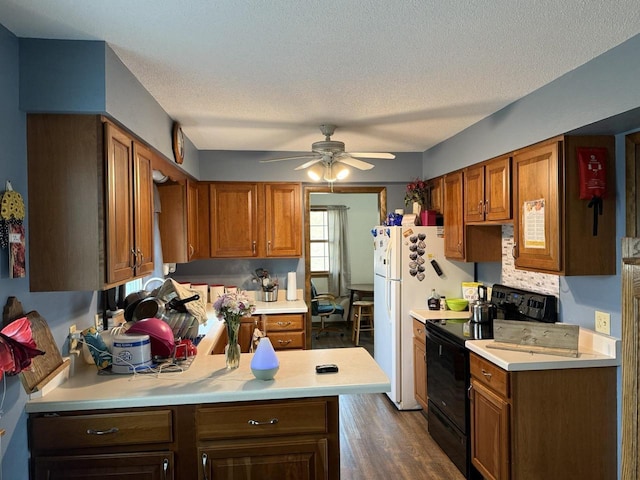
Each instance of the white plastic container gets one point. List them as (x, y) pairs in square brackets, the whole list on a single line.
[(131, 353)]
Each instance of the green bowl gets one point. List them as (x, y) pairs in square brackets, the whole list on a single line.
[(457, 304)]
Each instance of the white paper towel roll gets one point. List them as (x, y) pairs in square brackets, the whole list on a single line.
[(292, 292)]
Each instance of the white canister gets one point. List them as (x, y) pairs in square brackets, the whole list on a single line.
[(131, 353), (203, 291), (215, 291)]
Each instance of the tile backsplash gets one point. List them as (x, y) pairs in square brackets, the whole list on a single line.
[(534, 281)]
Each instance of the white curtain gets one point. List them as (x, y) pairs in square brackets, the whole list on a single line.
[(339, 264)]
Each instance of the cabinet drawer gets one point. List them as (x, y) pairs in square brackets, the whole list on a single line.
[(419, 330), (490, 375), (284, 340), (112, 429), (279, 323), (243, 421)]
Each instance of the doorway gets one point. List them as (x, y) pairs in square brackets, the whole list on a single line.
[(311, 195)]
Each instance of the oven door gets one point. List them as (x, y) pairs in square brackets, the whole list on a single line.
[(447, 377)]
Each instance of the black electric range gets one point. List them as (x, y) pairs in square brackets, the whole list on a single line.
[(448, 376)]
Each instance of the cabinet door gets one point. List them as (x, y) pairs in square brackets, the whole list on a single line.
[(536, 217), (133, 466), (143, 204), (436, 194), (234, 219), (453, 219), (119, 208), (302, 459), (497, 178), (489, 433), (197, 220), (474, 194), (283, 220), (420, 372)]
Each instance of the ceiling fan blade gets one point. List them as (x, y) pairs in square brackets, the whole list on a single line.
[(354, 162), (308, 164), (383, 156), (294, 157)]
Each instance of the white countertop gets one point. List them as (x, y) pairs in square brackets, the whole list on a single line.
[(594, 349), (208, 381)]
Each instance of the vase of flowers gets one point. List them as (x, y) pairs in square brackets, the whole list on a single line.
[(230, 308), (418, 196)]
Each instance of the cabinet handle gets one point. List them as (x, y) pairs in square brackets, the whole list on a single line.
[(141, 257), (486, 374), (165, 468), (284, 324), (91, 431), (284, 342), (459, 247), (268, 246), (273, 421), (514, 250), (253, 247), (191, 250), (205, 459), (134, 256), (486, 206), (480, 206)]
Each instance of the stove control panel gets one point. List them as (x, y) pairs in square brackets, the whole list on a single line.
[(516, 304)]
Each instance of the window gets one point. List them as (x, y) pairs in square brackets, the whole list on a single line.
[(319, 241)]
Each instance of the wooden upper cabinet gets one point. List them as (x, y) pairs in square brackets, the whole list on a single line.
[(453, 219), (234, 219), (90, 222), (184, 221), (129, 210), (487, 191), (143, 209), (553, 227), (255, 220), (436, 186), (283, 220)]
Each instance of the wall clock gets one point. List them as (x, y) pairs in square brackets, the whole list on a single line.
[(178, 143)]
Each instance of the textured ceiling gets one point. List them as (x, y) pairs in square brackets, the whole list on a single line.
[(393, 75)]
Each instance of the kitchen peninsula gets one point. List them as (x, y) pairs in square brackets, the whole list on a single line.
[(204, 422)]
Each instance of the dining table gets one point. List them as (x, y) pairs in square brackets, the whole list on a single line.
[(360, 288)]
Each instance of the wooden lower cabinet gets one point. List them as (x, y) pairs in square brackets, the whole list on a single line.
[(133, 466), (291, 438), (286, 331), (271, 439), (543, 424), (420, 363)]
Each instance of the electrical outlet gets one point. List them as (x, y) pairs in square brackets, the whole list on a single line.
[(99, 324), (603, 322), (73, 340)]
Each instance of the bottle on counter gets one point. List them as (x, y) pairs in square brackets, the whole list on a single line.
[(433, 303), (443, 303)]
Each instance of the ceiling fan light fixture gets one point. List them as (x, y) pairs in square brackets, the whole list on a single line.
[(334, 172), (316, 172), (341, 171)]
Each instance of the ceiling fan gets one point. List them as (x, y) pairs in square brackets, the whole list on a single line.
[(328, 154)]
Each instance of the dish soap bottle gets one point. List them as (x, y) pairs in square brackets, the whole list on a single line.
[(433, 303)]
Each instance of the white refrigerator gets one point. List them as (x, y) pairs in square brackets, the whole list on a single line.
[(408, 263)]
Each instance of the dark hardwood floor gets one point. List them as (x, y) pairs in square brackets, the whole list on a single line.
[(377, 441)]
